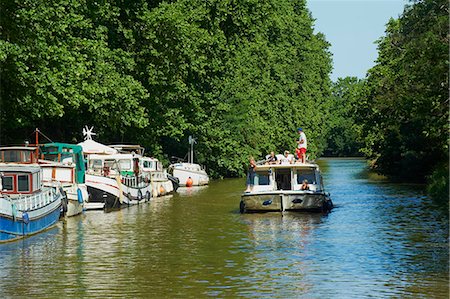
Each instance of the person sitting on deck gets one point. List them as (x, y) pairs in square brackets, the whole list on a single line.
[(272, 159), (305, 185), (287, 158)]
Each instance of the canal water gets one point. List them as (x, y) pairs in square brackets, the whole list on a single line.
[(381, 240)]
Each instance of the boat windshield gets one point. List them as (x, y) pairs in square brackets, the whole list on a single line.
[(125, 164), (15, 156), (306, 174), (262, 178), (95, 164)]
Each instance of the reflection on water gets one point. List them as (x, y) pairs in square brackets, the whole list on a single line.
[(382, 240)]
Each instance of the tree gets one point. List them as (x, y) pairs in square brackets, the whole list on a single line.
[(404, 116)]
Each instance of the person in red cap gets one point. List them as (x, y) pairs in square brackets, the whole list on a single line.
[(301, 146)]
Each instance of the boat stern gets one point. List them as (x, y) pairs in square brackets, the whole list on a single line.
[(307, 201), (259, 202)]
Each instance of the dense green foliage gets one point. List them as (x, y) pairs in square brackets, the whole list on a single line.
[(240, 76), (344, 137), (404, 113)]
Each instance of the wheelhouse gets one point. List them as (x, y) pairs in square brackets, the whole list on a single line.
[(66, 154), (20, 179), (124, 164), (18, 154), (149, 164), (287, 177)]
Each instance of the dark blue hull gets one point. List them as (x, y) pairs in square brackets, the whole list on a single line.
[(11, 229)]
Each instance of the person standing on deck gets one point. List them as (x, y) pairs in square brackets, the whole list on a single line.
[(251, 173), (301, 147)]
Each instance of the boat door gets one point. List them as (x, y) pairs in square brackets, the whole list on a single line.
[(283, 179)]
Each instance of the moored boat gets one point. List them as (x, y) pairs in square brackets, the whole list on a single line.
[(133, 186), (287, 187), (26, 206), (105, 191), (63, 164), (189, 174), (159, 180), (151, 169)]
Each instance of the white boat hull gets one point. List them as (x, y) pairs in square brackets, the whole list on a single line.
[(100, 188), (199, 178), (75, 205), (161, 188)]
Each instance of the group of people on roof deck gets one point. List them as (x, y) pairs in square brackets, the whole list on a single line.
[(300, 153)]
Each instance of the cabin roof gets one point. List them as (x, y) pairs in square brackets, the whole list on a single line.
[(184, 164), (113, 156), (93, 147), (280, 166), (19, 168), (126, 146), (45, 163), (149, 159), (18, 148), (75, 147)]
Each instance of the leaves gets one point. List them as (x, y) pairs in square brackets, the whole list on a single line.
[(240, 76), (405, 114)]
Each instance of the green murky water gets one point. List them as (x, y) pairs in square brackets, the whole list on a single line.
[(382, 240)]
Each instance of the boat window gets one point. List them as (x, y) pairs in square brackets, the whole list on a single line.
[(148, 164), (111, 164), (67, 159), (7, 183), (35, 181), (262, 178), (23, 183), (51, 157), (16, 156), (51, 149), (95, 164), (125, 164), (306, 174), (67, 150)]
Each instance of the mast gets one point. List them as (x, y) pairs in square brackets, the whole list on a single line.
[(37, 144), (191, 149)]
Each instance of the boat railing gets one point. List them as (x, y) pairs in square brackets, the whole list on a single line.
[(135, 182), (34, 201)]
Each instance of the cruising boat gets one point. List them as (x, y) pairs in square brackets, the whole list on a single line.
[(26, 206), (189, 174), (63, 164), (287, 187)]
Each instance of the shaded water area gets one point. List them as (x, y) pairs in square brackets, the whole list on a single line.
[(381, 240)]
